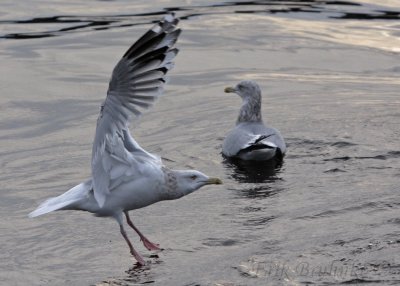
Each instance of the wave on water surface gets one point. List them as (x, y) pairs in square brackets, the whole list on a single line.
[(338, 10)]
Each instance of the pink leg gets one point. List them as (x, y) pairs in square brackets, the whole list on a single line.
[(135, 254), (147, 243)]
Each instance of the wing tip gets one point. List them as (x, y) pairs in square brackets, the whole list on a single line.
[(33, 214), (168, 23), (170, 17), (100, 199)]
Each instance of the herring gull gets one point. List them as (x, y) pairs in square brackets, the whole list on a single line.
[(251, 139), (125, 176)]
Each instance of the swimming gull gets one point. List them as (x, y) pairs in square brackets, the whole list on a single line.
[(125, 176), (251, 139)]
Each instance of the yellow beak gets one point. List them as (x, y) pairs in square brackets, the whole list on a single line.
[(214, 181), (229, 89)]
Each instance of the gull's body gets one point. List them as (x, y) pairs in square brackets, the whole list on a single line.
[(125, 176), (251, 139)]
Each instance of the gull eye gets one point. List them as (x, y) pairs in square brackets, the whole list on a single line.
[(193, 177)]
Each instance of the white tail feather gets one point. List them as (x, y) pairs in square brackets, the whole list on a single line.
[(68, 199)]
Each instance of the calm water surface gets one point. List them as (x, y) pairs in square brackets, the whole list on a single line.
[(329, 71)]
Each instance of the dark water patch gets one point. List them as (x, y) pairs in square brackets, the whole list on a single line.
[(137, 275), (278, 11), (379, 167), (357, 281), (377, 157), (377, 15), (249, 209), (393, 154), (335, 170), (81, 23), (394, 221), (77, 23), (259, 192), (343, 144), (220, 242), (389, 155), (27, 36), (259, 221), (343, 3), (344, 158), (391, 204), (340, 10)]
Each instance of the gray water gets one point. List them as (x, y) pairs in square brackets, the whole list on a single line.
[(329, 72)]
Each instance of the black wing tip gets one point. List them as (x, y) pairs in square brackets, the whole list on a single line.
[(172, 18), (177, 32), (174, 50), (167, 24), (164, 27)]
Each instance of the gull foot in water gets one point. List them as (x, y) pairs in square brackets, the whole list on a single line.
[(139, 259), (150, 245)]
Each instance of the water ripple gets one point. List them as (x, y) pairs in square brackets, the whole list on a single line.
[(338, 10)]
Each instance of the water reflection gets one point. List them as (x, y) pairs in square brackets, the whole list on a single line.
[(134, 276), (73, 23), (378, 15), (259, 192), (253, 172)]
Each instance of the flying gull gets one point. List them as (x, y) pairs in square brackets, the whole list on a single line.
[(125, 176), (251, 139)]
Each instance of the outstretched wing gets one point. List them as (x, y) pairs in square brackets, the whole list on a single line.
[(136, 82)]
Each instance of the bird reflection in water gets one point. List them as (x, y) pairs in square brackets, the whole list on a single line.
[(253, 171), (135, 275)]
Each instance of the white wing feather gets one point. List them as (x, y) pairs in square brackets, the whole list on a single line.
[(137, 81)]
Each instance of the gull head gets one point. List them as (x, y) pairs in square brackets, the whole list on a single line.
[(188, 181), (247, 90), (250, 93)]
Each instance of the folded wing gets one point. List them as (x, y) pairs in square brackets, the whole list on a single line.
[(238, 140), (249, 138), (137, 81)]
